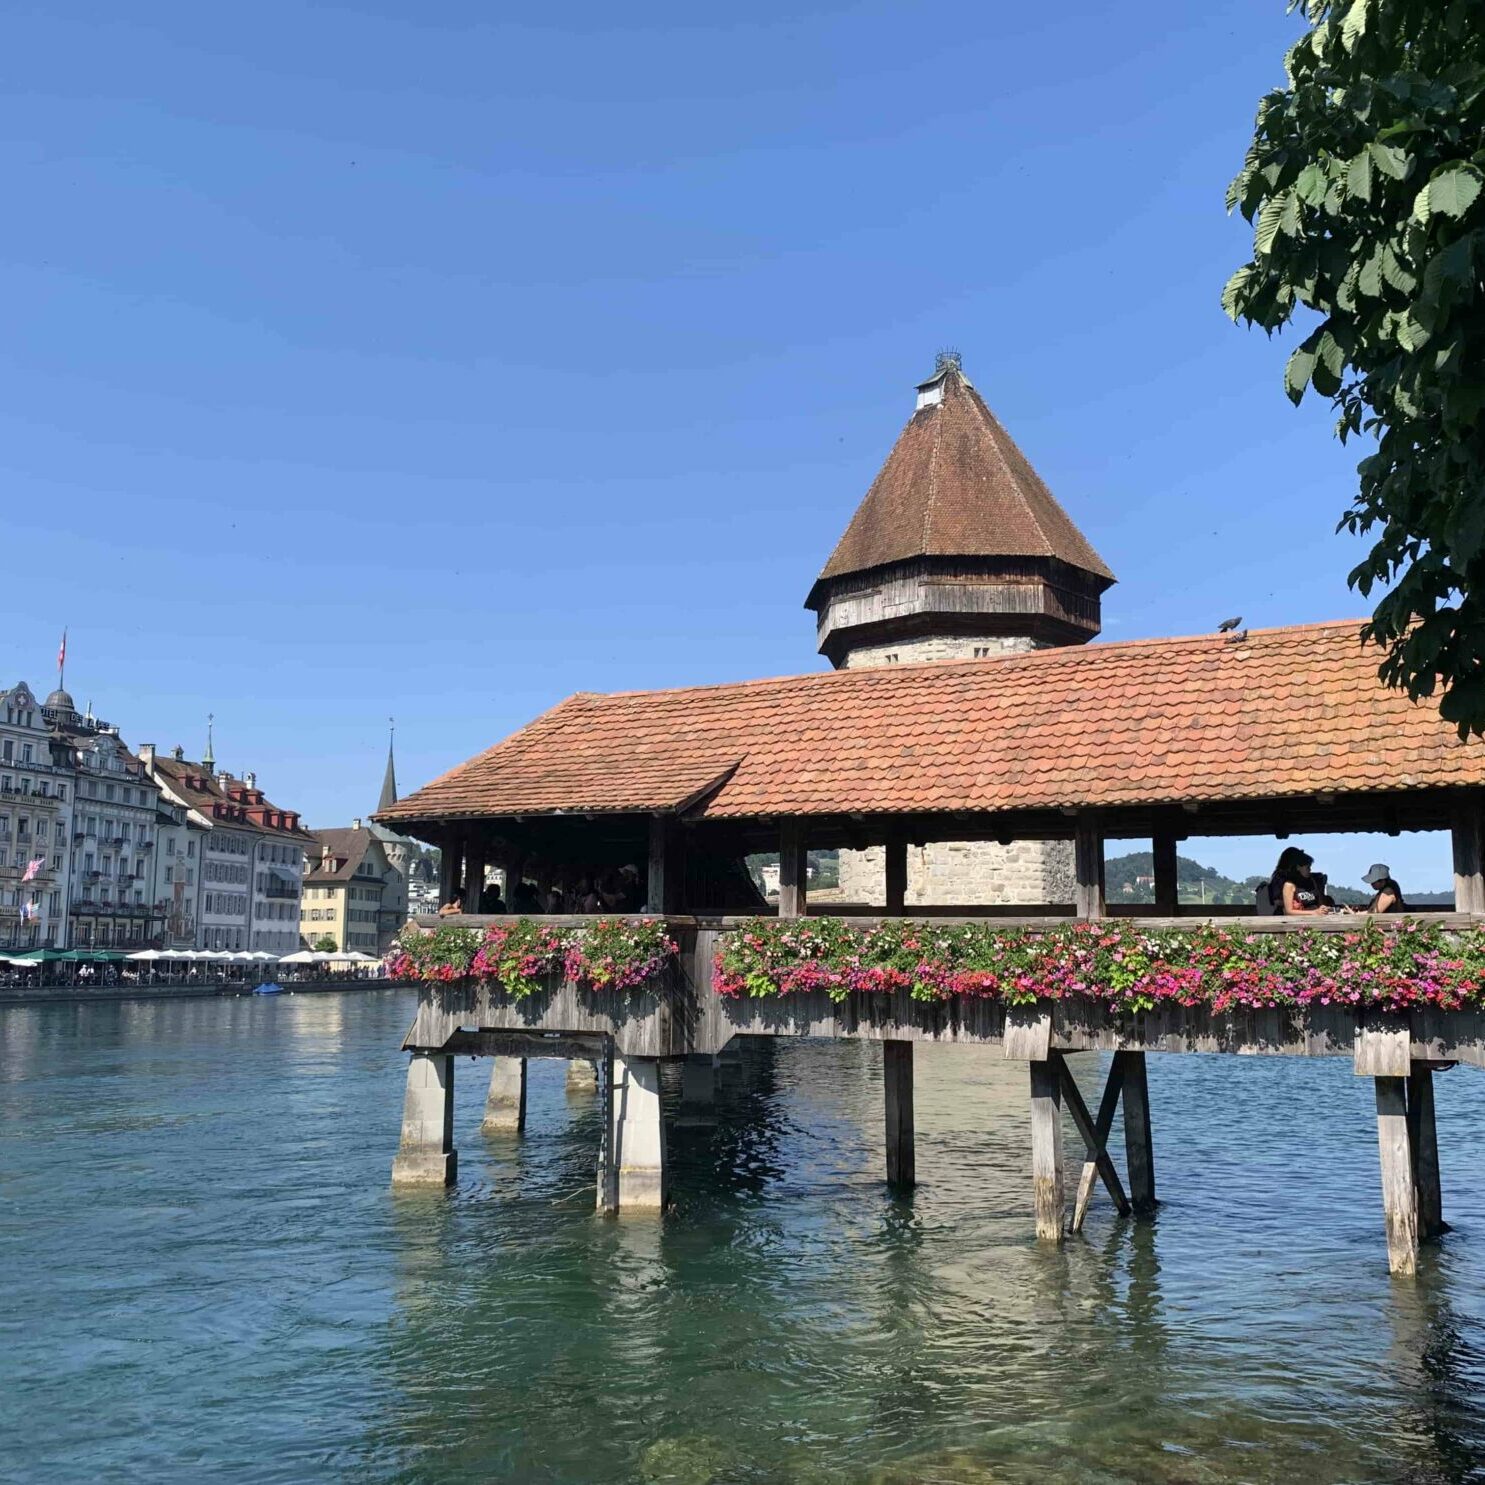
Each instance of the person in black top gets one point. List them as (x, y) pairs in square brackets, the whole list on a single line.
[(1388, 896), (490, 899), (524, 898), (1293, 888)]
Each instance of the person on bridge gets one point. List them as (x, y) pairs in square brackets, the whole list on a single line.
[(1387, 896), (1293, 888)]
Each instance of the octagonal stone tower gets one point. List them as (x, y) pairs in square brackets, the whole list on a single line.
[(958, 552)]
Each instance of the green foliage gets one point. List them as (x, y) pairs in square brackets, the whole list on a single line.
[(1364, 186), (325, 945)]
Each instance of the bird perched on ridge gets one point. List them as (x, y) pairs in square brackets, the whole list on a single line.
[(1227, 625)]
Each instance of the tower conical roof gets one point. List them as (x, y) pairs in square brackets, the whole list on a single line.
[(956, 485)]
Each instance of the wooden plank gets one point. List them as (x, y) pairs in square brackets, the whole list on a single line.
[(474, 876), (450, 861), (1167, 898), (1108, 1106), (1088, 868), (608, 1165), (1046, 1150), (1028, 1033), (659, 884), (1383, 1048), (1139, 1142), (1423, 1143), (1469, 857), (896, 877), (793, 868), (897, 1074), (1399, 1199)]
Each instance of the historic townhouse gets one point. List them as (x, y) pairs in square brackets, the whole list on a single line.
[(36, 787), (251, 854)]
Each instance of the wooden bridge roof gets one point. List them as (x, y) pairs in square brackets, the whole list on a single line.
[(1283, 713)]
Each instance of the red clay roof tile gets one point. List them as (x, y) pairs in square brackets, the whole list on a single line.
[(1287, 712)]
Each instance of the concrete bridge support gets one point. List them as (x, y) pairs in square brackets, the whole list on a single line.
[(632, 1172), (582, 1076), (426, 1154), (505, 1104)]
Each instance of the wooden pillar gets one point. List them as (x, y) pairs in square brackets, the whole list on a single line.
[(666, 867), (474, 875), (505, 1104), (450, 861), (1423, 1144), (1399, 1198), (897, 1075), (1469, 858), (426, 1154), (1139, 1146), (608, 1170), (793, 869), (1046, 1149), (1088, 864), (896, 877), (1167, 899)]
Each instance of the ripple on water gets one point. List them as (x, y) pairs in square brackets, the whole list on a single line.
[(209, 1277)]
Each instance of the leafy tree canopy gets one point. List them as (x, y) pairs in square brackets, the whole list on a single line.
[(1364, 186)]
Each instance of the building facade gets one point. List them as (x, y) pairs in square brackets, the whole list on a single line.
[(251, 854), (351, 892), (37, 782), (958, 552)]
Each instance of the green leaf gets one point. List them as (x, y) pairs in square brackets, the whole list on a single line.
[(1359, 176), (1235, 294), (1311, 185), (1448, 269), (1301, 367), (1353, 28), (1411, 336), (1369, 277), (1330, 353), (1395, 272), (1390, 160), (1451, 192)]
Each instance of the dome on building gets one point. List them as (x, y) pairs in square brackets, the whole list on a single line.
[(60, 701)]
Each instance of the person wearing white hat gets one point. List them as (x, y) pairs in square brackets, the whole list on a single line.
[(1387, 895)]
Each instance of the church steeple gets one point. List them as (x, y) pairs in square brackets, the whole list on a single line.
[(389, 779), (208, 761), (959, 550)]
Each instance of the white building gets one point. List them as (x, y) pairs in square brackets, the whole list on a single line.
[(251, 854), (36, 795)]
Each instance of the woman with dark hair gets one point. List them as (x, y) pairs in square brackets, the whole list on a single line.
[(1293, 889)]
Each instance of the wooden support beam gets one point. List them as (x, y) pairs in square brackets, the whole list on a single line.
[(897, 1072), (474, 875), (1423, 1145), (1167, 898), (896, 871), (450, 860), (1399, 1198), (1139, 1144), (1046, 1149), (1469, 858), (661, 886), (1088, 864), (793, 869), (1095, 1134)]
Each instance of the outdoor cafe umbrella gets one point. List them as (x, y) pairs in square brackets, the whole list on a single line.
[(303, 956), (149, 954)]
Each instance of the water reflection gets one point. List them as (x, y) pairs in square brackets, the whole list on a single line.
[(198, 1225)]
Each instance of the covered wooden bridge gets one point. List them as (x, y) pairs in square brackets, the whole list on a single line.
[(1277, 734)]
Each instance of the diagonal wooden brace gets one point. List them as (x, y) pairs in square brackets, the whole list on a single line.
[(1095, 1133)]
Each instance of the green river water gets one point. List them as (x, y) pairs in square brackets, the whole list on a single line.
[(207, 1276)]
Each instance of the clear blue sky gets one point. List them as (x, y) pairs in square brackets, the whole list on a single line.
[(384, 358)]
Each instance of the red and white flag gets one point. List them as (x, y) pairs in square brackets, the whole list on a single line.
[(32, 867), (62, 652)]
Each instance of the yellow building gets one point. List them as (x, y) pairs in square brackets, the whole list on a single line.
[(350, 888)]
